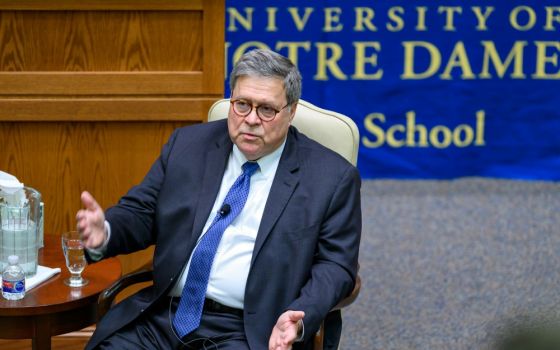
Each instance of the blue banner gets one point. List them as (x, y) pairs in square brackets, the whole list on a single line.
[(438, 89)]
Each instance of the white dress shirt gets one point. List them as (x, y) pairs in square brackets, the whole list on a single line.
[(230, 269)]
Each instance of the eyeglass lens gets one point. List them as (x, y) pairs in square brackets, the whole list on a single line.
[(243, 108)]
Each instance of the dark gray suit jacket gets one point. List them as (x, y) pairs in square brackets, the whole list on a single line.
[(306, 251)]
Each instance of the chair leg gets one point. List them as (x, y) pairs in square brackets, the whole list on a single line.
[(318, 341)]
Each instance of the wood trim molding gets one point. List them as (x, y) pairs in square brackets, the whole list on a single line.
[(43, 5), (214, 48), (99, 109), (100, 83)]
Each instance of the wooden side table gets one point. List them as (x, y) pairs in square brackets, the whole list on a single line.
[(53, 308)]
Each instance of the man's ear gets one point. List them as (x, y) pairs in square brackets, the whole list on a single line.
[(293, 108)]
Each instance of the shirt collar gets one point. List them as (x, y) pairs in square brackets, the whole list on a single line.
[(267, 164)]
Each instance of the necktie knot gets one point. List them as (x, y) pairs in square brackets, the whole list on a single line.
[(249, 168)]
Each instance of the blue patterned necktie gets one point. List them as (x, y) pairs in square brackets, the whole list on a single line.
[(189, 311)]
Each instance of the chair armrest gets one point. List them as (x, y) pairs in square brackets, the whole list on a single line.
[(350, 299), (107, 297)]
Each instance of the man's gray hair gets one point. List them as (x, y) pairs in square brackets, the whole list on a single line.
[(269, 64)]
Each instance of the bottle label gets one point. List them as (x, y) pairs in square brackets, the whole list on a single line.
[(13, 286)]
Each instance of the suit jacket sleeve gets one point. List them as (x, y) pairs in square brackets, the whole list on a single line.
[(335, 264)]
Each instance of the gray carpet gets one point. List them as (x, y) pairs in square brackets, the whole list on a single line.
[(454, 264)]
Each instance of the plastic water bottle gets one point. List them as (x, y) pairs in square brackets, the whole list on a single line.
[(13, 280)]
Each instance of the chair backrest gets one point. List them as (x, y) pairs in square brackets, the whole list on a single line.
[(331, 129)]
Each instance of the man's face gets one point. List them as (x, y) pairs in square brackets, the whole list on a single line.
[(256, 138)]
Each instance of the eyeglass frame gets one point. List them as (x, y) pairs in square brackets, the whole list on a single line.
[(256, 108)]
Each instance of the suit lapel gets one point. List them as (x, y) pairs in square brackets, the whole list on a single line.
[(283, 186), (214, 169)]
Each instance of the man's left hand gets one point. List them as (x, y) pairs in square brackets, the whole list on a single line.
[(286, 330)]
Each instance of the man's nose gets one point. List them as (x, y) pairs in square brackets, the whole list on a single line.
[(252, 118)]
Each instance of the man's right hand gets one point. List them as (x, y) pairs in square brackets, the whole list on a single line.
[(91, 222), (286, 330)]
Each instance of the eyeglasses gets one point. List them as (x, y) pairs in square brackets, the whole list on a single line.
[(265, 112)]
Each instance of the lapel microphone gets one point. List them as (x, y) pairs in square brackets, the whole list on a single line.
[(224, 210)]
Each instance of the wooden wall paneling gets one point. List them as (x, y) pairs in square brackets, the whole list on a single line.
[(108, 53), (90, 91), (63, 159), (79, 41)]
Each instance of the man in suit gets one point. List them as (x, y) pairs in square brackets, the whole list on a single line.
[(289, 256)]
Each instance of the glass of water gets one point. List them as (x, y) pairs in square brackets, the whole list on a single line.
[(73, 249)]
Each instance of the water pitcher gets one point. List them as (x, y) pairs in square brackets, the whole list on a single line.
[(21, 228)]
